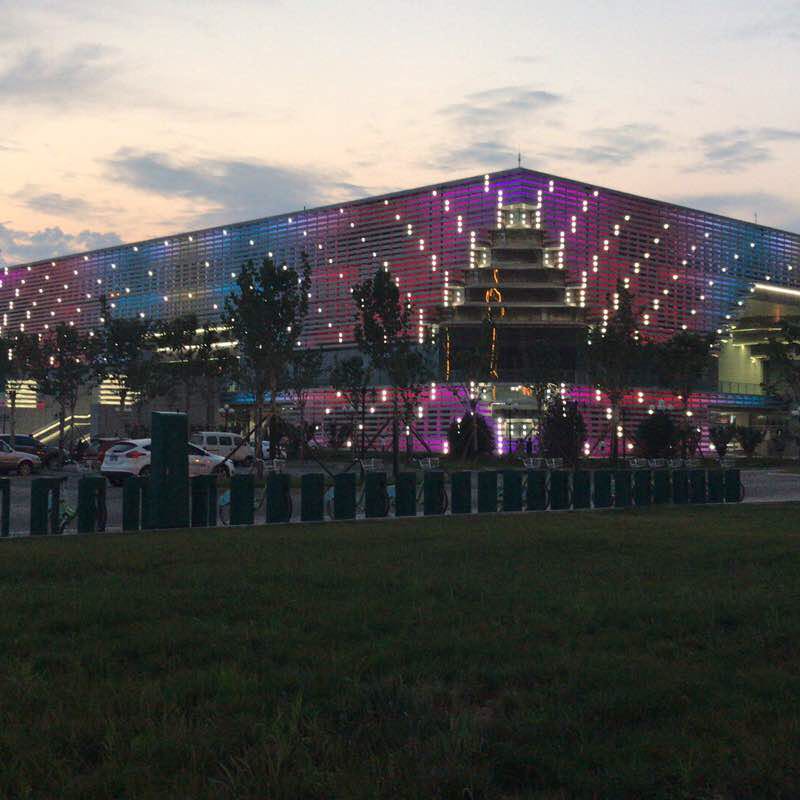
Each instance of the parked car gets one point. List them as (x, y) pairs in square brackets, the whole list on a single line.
[(225, 444), (92, 455), (24, 443), (132, 457), (18, 461)]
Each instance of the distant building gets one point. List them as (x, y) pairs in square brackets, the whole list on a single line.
[(542, 253)]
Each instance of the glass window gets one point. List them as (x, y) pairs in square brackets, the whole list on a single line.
[(237, 440), (225, 441), (211, 440), (197, 438)]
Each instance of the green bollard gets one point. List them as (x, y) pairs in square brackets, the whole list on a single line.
[(461, 492), (168, 492), (242, 497), (312, 497), (581, 489), (132, 503), (623, 497), (697, 485), (680, 486), (344, 496), (279, 497), (559, 490), (642, 487), (603, 496), (148, 514), (376, 495), (487, 491), (5, 507), (536, 494), (45, 497), (661, 487), (512, 490), (405, 502), (204, 501), (734, 491), (91, 504), (716, 486), (434, 499)]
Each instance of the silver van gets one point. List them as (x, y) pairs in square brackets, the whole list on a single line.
[(224, 443)]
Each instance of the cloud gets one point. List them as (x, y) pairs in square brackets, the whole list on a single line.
[(782, 22), (17, 246), (772, 209), (496, 107), (52, 203), (230, 189), (77, 76), (739, 148), (614, 146), (487, 155)]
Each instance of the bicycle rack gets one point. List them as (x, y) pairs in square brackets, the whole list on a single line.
[(91, 504), (45, 499), (5, 507)]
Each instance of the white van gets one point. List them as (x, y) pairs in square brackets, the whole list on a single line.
[(223, 444)]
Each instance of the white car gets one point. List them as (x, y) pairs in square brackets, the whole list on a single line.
[(225, 444), (132, 457)]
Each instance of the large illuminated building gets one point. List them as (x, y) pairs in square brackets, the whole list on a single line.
[(544, 253)]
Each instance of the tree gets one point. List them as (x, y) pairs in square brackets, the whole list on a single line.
[(469, 367), (353, 378), (721, 436), (125, 352), (213, 362), (15, 359), (381, 330), (178, 336), (615, 357), (656, 436), (304, 372), (61, 366), (563, 431), (471, 436), (681, 363), (265, 318), (749, 439), (782, 375)]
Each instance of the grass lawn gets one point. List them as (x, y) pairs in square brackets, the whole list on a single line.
[(607, 654)]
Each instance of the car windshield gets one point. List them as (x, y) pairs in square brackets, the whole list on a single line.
[(197, 451)]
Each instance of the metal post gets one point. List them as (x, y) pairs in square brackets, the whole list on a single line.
[(91, 504)]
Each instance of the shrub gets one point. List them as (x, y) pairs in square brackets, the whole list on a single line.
[(656, 436), (460, 439)]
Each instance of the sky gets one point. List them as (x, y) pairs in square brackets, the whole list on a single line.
[(127, 120)]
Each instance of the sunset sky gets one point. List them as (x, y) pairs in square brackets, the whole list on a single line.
[(125, 120)]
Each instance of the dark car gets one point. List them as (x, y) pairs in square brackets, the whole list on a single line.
[(24, 443)]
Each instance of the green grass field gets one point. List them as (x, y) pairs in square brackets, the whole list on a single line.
[(618, 654)]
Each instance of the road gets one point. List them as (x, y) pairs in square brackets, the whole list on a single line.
[(762, 485)]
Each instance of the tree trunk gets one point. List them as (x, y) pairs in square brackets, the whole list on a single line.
[(61, 425), (474, 411), (302, 443), (259, 437), (12, 417), (363, 423), (273, 421), (395, 437), (614, 425)]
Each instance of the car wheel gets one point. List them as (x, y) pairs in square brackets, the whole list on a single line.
[(144, 472), (24, 468)]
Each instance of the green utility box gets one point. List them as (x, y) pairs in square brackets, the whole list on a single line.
[(536, 493), (734, 491), (487, 491), (623, 495), (461, 492), (603, 496), (279, 497), (716, 486), (661, 487), (312, 497), (680, 486), (91, 504), (344, 495), (434, 499), (376, 495), (169, 470), (642, 487), (5, 507), (697, 485), (45, 499), (512, 490), (581, 489), (405, 502), (559, 490), (242, 500)]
